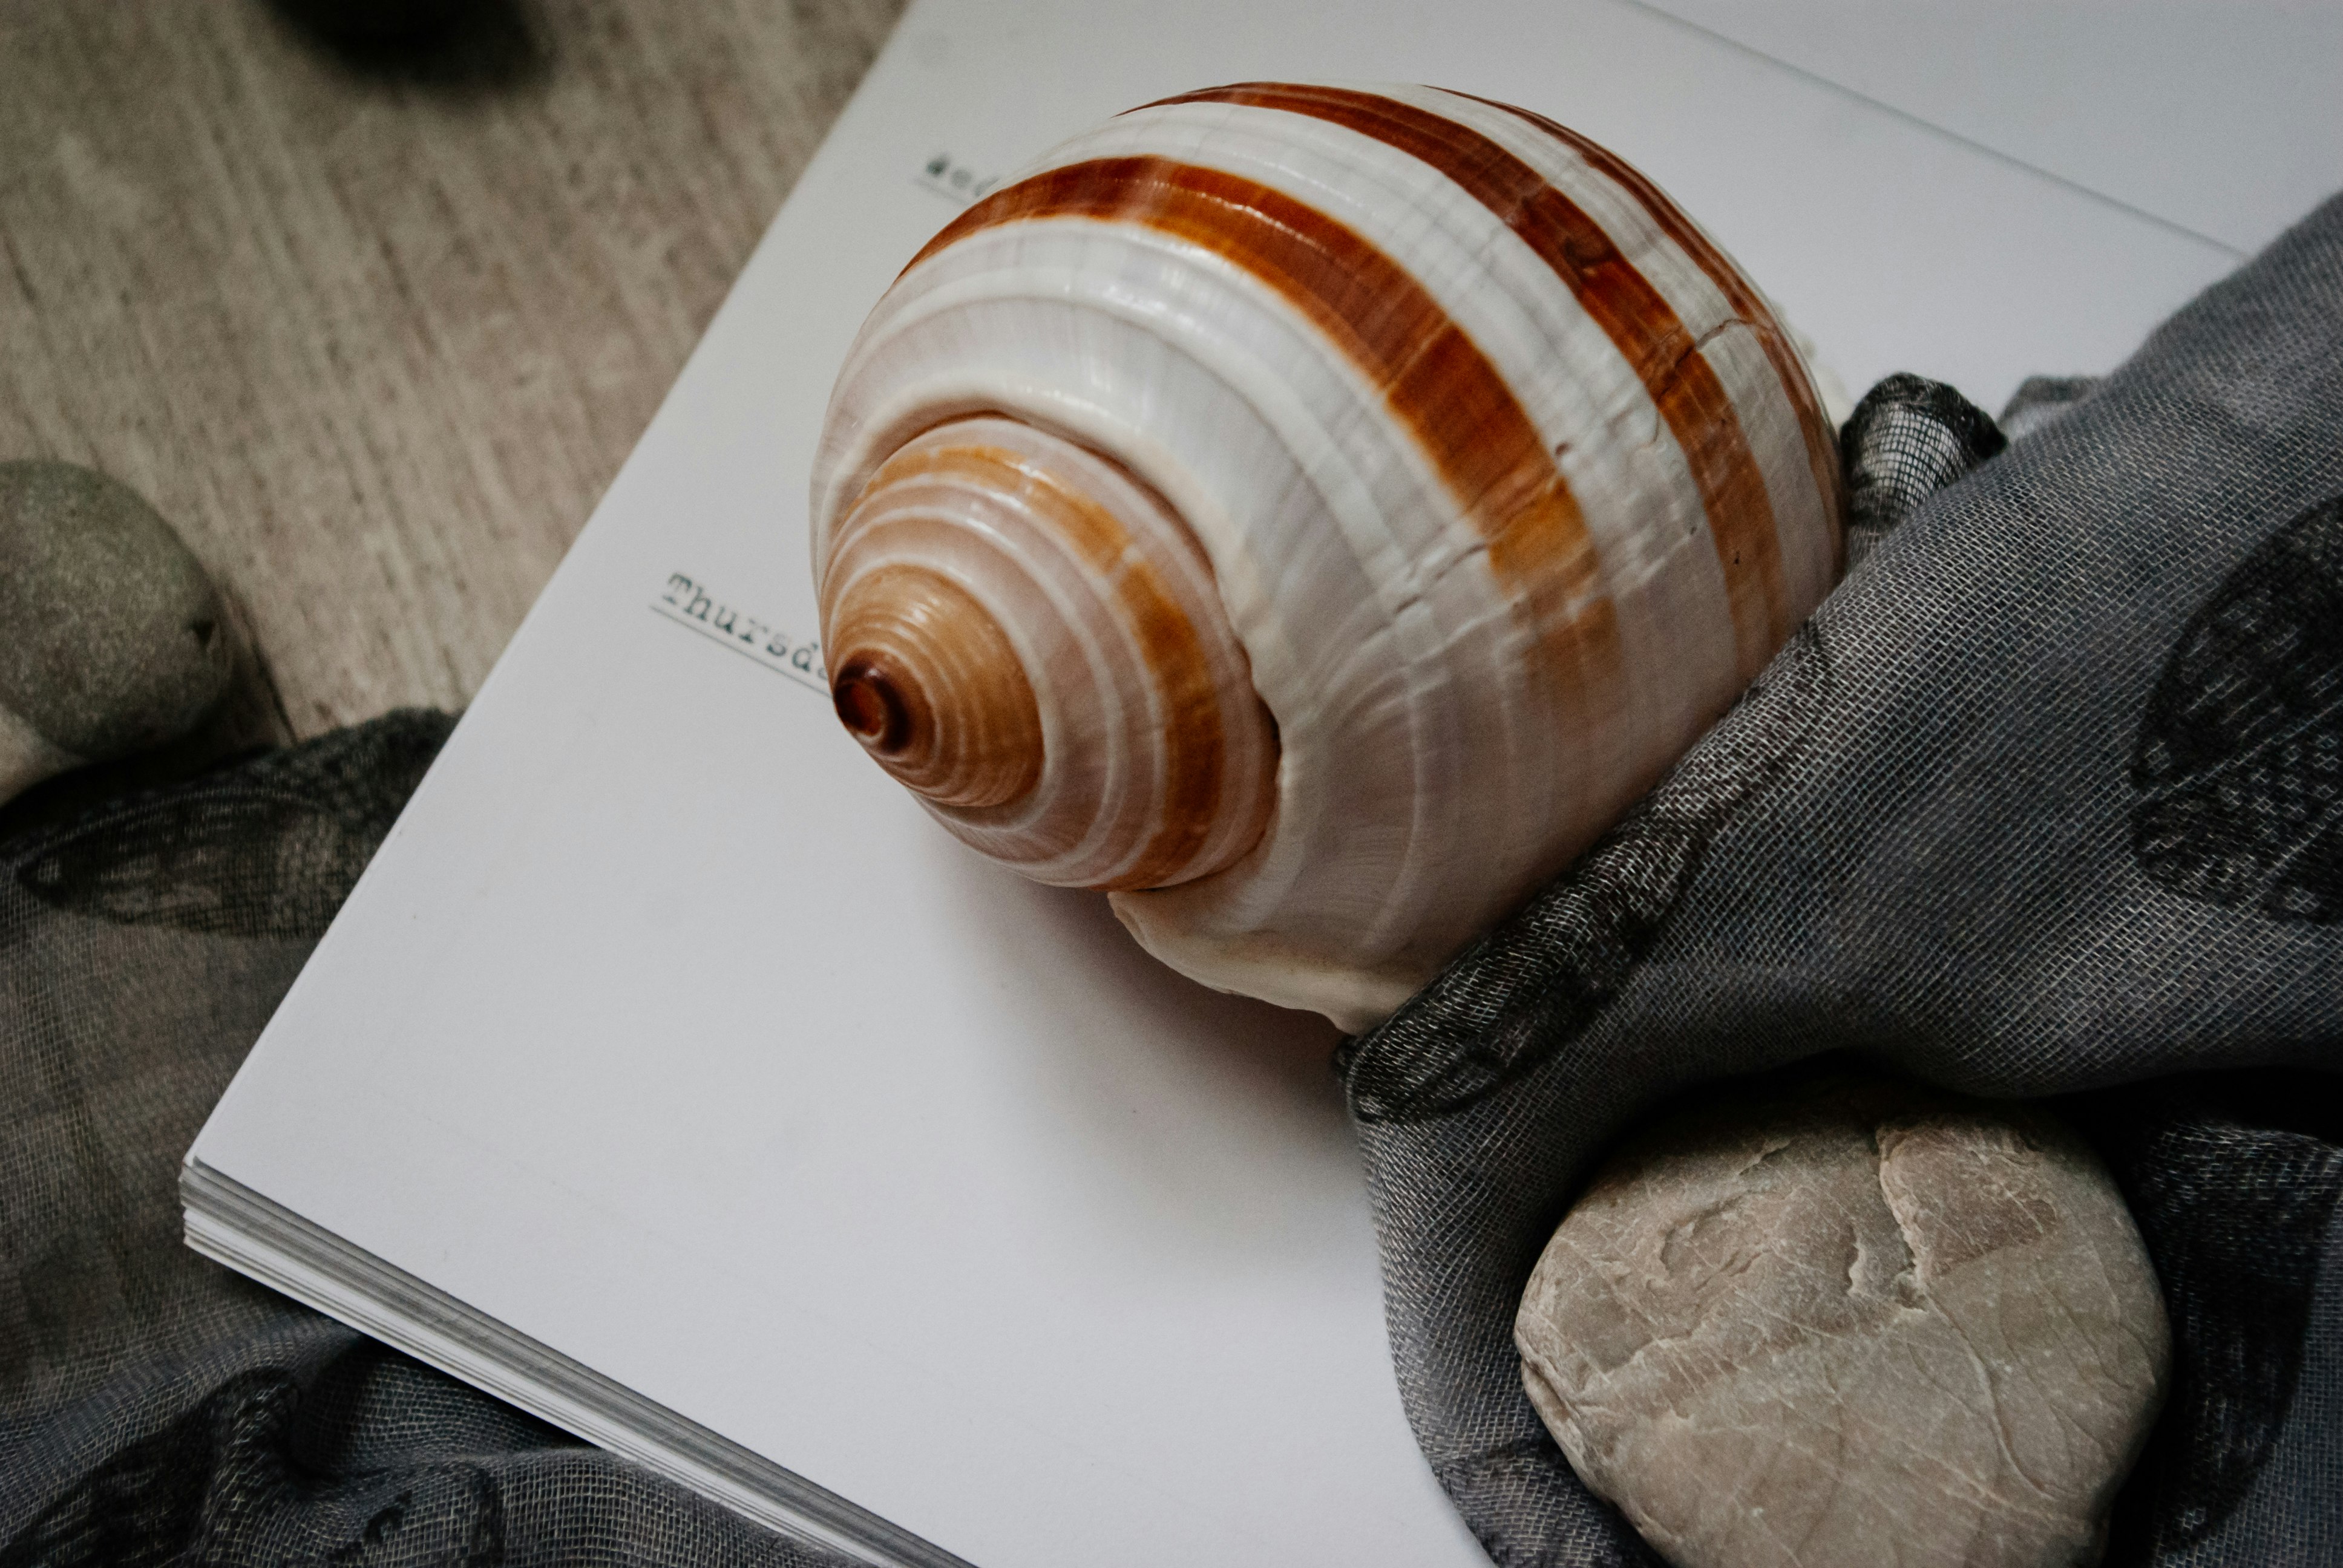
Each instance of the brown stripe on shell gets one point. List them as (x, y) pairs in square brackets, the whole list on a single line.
[(1434, 377), (1636, 317), (1194, 748), (1813, 426)]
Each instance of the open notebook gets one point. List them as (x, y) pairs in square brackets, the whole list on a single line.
[(670, 1075)]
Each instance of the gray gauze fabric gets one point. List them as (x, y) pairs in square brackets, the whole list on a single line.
[(153, 1407), (2047, 796)]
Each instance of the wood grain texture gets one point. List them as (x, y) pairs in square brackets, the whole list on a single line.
[(375, 330)]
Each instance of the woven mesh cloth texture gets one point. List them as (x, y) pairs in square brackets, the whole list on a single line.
[(1908, 439), (2047, 796), (153, 1407)]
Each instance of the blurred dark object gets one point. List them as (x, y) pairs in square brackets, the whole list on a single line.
[(434, 43), (376, 21)]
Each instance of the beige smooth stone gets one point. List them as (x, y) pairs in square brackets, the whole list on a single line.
[(1865, 1325)]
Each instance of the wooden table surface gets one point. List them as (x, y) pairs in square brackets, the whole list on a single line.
[(374, 326)]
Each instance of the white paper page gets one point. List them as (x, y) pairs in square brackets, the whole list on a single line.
[(668, 1033), (2218, 115)]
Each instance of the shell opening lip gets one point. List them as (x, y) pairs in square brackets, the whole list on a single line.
[(872, 709)]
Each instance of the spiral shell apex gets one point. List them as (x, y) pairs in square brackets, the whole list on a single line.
[(1312, 514)]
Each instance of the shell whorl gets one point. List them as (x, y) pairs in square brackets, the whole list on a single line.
[(1029, 640), (1493, 472)]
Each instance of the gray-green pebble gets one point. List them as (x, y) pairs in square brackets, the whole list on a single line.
[(112, 638)]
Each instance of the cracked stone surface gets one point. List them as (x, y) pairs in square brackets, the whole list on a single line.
[(1861, 1324)]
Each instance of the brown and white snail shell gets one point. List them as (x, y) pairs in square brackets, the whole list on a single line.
[(1312, 514)]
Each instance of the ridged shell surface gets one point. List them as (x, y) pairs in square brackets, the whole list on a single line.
[(1374, 490)]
